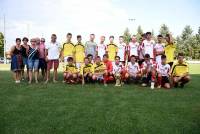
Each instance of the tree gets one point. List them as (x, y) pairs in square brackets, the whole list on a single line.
[(1, 44), (187, 33), (139, 32), (187, 42), (127, 35), (164, 30)]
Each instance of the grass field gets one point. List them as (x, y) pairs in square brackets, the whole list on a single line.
[(95, 109)]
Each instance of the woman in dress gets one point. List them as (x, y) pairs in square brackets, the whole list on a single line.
[(16, 60)]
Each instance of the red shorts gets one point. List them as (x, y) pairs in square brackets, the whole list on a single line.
[(52, 63)]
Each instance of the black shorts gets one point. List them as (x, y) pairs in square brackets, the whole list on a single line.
[(165, 80), (42, 64)]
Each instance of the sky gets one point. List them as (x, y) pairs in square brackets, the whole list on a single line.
[(41, 18)]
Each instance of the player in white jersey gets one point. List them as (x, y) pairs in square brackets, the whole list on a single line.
[(118, 71), (159, 49), (101, 47), (133, 70), (121, 49), (133, 47), (148, 69), (163, 70), (148, 45)]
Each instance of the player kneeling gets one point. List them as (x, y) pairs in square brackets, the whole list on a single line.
[(163, 70), (180, 72), (148, 71), (118, 71), (70, 73), (86, 71), (99, 71), (133, 70)]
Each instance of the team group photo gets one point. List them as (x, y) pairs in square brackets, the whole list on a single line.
[(148, 62)]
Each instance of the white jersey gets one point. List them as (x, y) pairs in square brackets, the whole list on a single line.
[(133, 48), (101, 50), (149, 47), (121, 51), (159, 47), (133, 68), (163, 69), (117, 68)]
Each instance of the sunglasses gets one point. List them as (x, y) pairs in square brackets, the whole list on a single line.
[(42, 41)]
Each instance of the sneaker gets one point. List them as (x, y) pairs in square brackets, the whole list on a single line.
[(29, 82), (175, 85), (105, 85), (36, 81), (46, 81), (159, 86), (182, 85), (17, 81), (152, 85), (54, 81), (144, 84)]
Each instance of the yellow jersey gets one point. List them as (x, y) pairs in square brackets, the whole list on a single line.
[(89, 68), (169, 52), (79, 52), (71, 68), (99, 68), (180, 69), (68, 49), (112, 50)]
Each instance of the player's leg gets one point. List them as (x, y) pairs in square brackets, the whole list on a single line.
[(49, 67), (159, 80), (184, 80), (55, 72), (36, 64), (30, 64)]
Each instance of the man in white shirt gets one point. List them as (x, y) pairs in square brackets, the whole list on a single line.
[(121, 49), (52, 53), (133, 70), (148, 45), (159, 49), (133, 47), (101, 47)]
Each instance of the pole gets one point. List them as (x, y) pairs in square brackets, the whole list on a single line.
[(4, 31)]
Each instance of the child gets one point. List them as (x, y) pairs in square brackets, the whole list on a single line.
[(159, 49), (121, 52), (86, 71), (79, 52), (180, 72), (148, 71), (133, 70), (99, 71), (163, 70), (118, 71), (112, 49), (70, 73), (101, 48)]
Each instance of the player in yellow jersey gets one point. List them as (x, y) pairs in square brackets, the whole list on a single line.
[(99, 71), (79, 52), (86, 71), (180, 72), (170, 48), (68, 48), (112, 49), (71, 72)]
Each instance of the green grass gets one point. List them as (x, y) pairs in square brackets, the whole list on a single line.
[(60, 108)]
